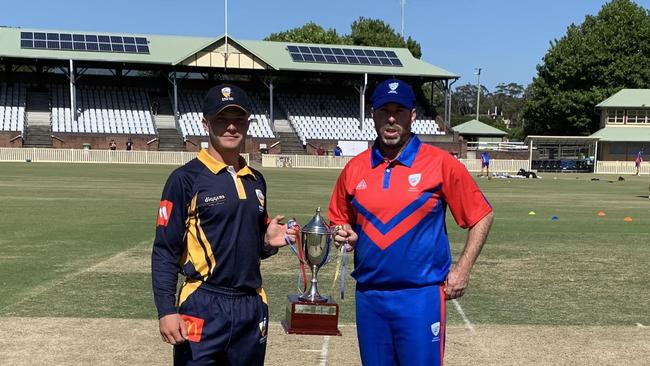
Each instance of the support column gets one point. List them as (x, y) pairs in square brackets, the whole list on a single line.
[(362, 101), (596, 158), (271, 115), (530, 155), (175, 99), (269, 84), (73, 91)]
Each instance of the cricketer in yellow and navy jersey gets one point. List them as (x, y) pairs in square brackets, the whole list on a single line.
[(210, 228)]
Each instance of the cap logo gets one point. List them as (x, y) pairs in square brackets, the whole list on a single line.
[(226, 91), (393, 88)]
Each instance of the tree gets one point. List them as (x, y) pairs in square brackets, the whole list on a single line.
[(463, 100), (509, 102), (308, 33), (374, 32), (595, 59), (364, 32)]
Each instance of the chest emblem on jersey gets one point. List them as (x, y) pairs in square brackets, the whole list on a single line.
[(214, 200), (362, 185), (260, 196), (414, 179)]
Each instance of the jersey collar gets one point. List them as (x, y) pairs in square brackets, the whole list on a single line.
[(406, 157), (216, 166)]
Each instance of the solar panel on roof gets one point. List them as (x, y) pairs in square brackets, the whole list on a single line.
[(83, 42), (349, 56)]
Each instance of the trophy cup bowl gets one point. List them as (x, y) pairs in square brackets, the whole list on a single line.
[(311, 313), (315, 240)]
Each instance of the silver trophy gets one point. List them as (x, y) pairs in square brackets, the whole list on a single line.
[(315, 244)]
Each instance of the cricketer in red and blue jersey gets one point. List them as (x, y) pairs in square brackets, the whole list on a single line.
[(392, 201), (213, 228)]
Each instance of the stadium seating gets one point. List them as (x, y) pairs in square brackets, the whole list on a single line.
[(125, 110), (13, 99), (189, 105), (327, 117), (102, 109)]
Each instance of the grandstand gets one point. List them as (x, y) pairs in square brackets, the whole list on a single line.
[(74, 89), (12, 107)]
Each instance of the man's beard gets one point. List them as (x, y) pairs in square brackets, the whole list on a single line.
[(392, 141)]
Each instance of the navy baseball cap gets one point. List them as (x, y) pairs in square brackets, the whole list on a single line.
[(223, 96), (393, 91)]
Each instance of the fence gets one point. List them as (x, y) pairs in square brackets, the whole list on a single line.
[(98, 156), (497, 165), (268, 160), (304, 161), (621, 167), (334, 162)]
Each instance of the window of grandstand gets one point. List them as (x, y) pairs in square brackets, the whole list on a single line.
[(637, 116), (616, 116)]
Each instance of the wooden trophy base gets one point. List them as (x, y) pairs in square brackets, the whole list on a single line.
[(316, 318)]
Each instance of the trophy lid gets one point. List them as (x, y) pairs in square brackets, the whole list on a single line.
[(317, 225)]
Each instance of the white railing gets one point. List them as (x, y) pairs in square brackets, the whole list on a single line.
[(497, 165), (497, 146), (304, 161), (333, 162), (98, 156), (620, 167)]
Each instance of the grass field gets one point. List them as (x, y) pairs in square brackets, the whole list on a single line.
[(75, 285)]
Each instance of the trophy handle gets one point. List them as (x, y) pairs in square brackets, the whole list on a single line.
[(298, 250)]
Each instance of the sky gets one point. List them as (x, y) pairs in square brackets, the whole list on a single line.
[(505, 38)]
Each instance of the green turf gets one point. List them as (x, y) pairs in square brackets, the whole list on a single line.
[(59, 220)]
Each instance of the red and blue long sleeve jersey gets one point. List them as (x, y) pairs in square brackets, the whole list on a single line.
[(398, 210)]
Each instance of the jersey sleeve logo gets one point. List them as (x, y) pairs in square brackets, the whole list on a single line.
[(164, 212)]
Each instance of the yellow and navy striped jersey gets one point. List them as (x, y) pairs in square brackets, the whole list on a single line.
[(210, 228)]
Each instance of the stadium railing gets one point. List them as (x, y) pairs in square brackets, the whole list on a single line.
[(304, 161), (620, 167), (497, 165), (97, 156), (333, 162)]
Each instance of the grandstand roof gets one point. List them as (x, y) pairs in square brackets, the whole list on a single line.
[(623, 134), (627, 98), (475, 127), (174, 50)]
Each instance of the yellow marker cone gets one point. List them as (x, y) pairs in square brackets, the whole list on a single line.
[(531, 213)]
